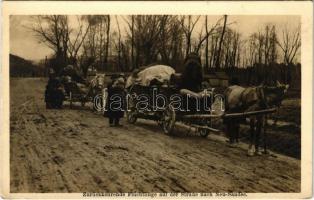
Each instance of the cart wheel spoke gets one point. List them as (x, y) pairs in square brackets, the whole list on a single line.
[(168, 119), (204, 132), (131, 112)]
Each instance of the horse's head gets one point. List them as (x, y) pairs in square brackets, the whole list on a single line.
[(275, 95), (99, 81)]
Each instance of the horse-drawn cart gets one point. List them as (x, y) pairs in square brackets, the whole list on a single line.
[(75, 93), (83, 93), (142, 102)]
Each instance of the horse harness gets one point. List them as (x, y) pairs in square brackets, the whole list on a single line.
[(261, 99)]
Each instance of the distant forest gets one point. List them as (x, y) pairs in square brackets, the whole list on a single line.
[(19, 67)]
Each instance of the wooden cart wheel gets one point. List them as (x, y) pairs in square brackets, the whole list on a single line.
[(131, 116), (168, 119), (131, 111), (159, 122), (204, 132), (159, 119), (83, 102)]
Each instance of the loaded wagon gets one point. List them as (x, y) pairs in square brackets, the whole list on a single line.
[(75, 93), (160, 103), (156, 93), (83, 93)]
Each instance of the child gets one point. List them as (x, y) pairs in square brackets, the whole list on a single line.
[(115, 101)]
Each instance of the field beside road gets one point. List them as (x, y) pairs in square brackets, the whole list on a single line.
[(74, 150)]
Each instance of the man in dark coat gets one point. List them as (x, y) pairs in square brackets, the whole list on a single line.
[(191, 80), (115, 101), (192, 75), (54, 95)]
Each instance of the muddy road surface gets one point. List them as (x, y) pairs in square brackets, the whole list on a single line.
[(74, 150)]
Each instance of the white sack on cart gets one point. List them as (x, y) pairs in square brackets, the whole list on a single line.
[(162, 73)]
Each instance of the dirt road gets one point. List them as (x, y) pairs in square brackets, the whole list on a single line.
[(76, 151)]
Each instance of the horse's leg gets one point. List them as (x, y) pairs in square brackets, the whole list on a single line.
[(265, 133), (252, 134), (258, 133), (101, 104), (230, 131), (236, 130)]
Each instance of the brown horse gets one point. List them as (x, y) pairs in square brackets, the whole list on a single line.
[(240, 99)]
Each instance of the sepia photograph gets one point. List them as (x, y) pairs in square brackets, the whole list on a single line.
[(155, 104)]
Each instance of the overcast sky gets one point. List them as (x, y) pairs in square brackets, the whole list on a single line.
[(24, 43)]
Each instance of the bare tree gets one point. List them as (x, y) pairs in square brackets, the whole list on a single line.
[(206, 47), (144, 33), (78, 39), (53, 30), (290, 44), (107, 38), (217, 63), (188, 28), (132, 42), (96, 44), (119, 45), (208, 32)]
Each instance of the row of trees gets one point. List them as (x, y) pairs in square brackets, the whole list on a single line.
[(123, 43)]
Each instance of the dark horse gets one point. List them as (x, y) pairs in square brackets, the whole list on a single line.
[(240, 99)]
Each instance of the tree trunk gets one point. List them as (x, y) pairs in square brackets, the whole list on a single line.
[(132, 45), (108, 40), (220, 43), (206, 47)]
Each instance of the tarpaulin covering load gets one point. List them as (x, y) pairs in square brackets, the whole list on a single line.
[(161, 73)]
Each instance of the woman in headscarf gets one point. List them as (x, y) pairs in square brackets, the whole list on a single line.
[(115, 101)]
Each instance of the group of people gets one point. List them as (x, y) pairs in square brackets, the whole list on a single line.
[(54, 93), (190, 80)]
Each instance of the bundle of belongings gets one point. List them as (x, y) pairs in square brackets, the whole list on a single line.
[(189, 82), (156, 74)]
